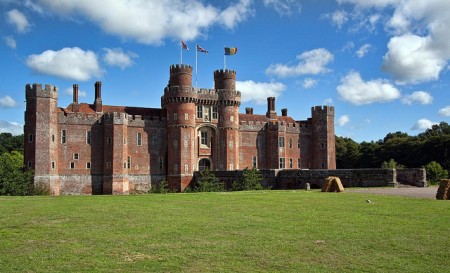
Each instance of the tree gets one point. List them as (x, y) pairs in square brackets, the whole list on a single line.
[(208, 183), (251, 180), (391, 165), (9, 143), (347, 153), (435, 172), (13, 181)]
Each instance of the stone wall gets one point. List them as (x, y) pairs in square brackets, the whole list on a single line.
[(413, 177)]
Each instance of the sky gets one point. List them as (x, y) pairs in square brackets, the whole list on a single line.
[(383, 64)]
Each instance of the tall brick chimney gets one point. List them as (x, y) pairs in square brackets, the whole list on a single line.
[(249, 110), (75, 105), (284, 112), (98, 97), (271, 113)]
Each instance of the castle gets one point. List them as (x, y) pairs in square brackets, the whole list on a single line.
[(103, 149)]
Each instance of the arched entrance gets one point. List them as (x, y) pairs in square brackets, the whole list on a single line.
[(204, 164)]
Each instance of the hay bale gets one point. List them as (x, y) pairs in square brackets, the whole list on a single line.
[(333, 184), (443, 192)]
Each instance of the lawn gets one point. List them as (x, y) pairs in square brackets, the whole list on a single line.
[(260, 231)]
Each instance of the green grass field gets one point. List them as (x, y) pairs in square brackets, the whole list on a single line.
[(266, 231)]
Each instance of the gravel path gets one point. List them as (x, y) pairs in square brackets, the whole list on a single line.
[(428, 192)]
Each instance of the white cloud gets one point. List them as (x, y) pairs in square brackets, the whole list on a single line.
[(328, 101), (411, 59), (420, 97), (69, 91), (343, 120), (362, 51), (309, 83), (310, 62), (7, 102), (423, 124), (10, 42), (116, 57), (338, 17), (18, 19), (284, 7), (259, 91), (11, 127), (69, 63), (357, 91), (150, 22), (445, 111), (348, 46)]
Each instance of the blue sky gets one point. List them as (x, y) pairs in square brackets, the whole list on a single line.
[(383, 64)]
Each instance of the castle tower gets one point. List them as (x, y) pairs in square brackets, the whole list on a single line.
[(42, 136), (323, 138), (272, 134), (179, 100), (229, 102)]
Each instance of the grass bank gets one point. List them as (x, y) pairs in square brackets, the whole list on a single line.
[(267, 231)]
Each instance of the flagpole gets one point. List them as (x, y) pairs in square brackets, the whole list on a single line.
[(196, 64), (224, 60), (181, 53)]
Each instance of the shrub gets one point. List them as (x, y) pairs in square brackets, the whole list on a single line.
[(392, 164), (251, 180), (435, 172), (161, 187), (13, 180), (209, 183)]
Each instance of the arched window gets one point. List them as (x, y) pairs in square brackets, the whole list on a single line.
[(204, 164)]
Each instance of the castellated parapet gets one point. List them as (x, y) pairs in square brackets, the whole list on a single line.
[(94, 148)]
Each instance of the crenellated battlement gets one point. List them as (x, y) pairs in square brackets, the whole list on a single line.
[(224, 73), (195, 95), (322, 110), (178, 68), (36, 90)]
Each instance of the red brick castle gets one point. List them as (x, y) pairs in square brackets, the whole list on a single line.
[(103, 149)]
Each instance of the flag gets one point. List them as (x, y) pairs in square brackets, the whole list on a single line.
[(184, 45), (201, 49), (230, 50)]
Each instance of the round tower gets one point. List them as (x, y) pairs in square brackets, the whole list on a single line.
[(180, 75), (225, 79)]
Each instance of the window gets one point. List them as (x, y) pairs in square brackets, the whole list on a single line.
[(204, 138), (298, 143), (139, 139), (254, 162), (129, 162), (72, 165), (282, 163), (88, 165), (30, 164), (323, 165), (155, 138), (76, 156), (175, 116), (53, 138), (30, 138), (323, 145), (281, 142), (124, 141), (290, 143), (215, 112), (161, 162), (186, 116), (108, 140), (199, 111), (63, 136), (88, 137), (53, 165), (108, 165), (290, 163), (298, 163)]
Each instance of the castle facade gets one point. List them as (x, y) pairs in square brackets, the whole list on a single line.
[(104, 149)]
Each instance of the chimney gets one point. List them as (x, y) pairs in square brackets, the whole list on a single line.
[(271, 113), (284, 112), (75, 105), (98, 97), (249, 110)]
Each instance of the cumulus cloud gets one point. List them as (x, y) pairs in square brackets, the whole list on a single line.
[(284, 7), (258, 92), (338, 17), (343, 120), (150, 22), (7, 102), (69, 63), (10, 42), (445, 112), (423, 124), (362, 51), (69, 91), (309, 83), (420, 97), (116, 57), (18, 19), (310, 62), (11, 127), (357, 91)]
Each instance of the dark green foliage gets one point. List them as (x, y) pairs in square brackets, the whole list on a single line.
[(435, 172), (347, 153), (251, 180), (13, 181), (208, 182), (391, 165), (161, 187), (9, 143)]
